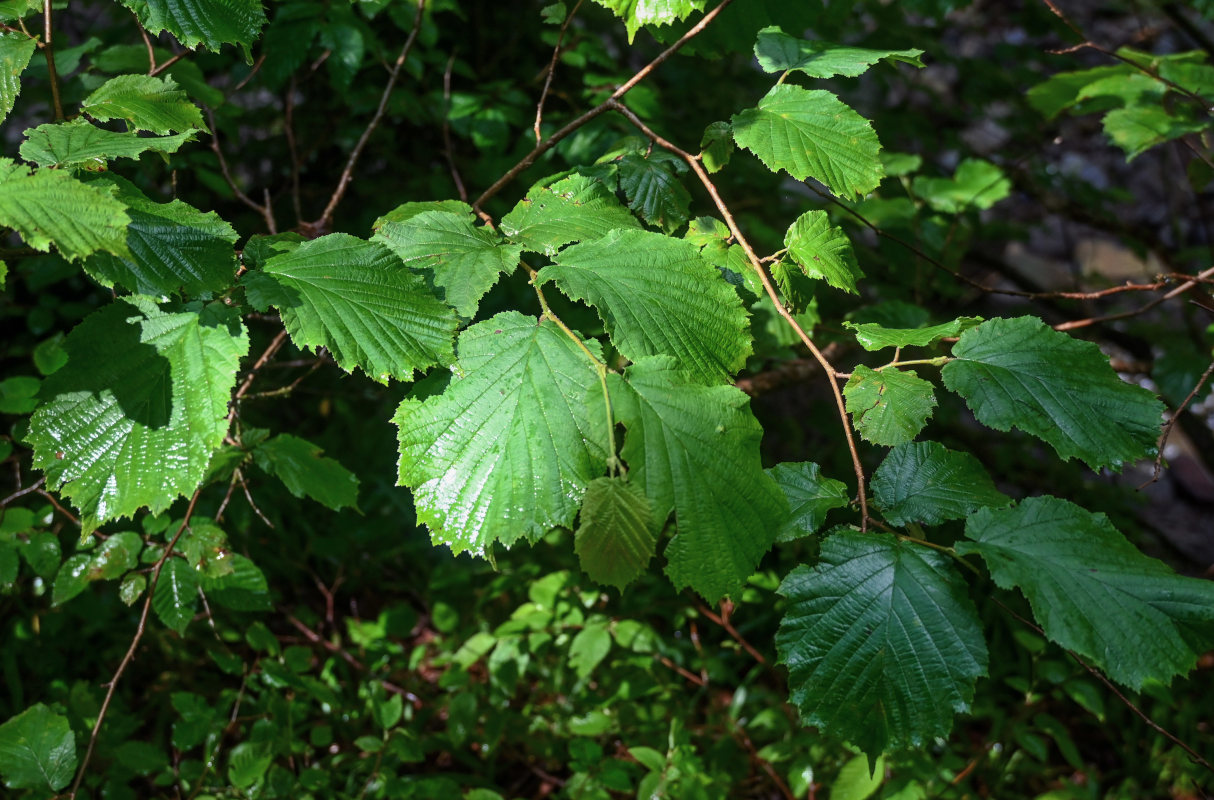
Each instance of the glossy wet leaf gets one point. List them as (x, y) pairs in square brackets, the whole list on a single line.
[(176, 594), (928, 483)]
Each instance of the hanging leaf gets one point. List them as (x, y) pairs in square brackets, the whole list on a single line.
[(79, 143), (553, 214), (300, 466), (809, 496), (873, 336), (928, 483), (639, 13), (46, 207), (716, 146), (615, 538), (888, 407), (37, 750), (779, 52), (823, 251)]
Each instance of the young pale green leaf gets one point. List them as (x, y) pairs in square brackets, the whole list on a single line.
[(79, 143), (47, 206), (146, 103), (300, 465), (508, 449), (716, 146), (172, 247), (464, 259), (695, 450), (37, 750), (1093, 592), (639, 13), (176, 594), (657, 296), (210, 23), (779, 52), (15, 52), (809, 495), (615, 538), (654, 191), (357, 299), (812, 134), (889, 407), (823, 250), (1021, 373), (926, 482), (975, 184), (873, 336), (574, 208), (882, 643), (134, 416), (1140, 128)]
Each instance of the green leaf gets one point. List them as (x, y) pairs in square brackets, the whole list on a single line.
[(299, 464), (176, 594), (464, 259), (654, 191), (574, 208), (172, 247), (858, 779), (134, 417), (248, 762), (1062, 91), (73, 578), (695, 450), (823, 250), (716, 146), (210, 23), (17, 9), (926, 482), (244, 588), (358, 300), (37, 750), (809, 495), (145, 102), (1140, 128), (9, 563), (779, 52), (873, 336), (658, 296), (638, 13), (882, 643), (15, 52), (616, 535), (1093, 592), (975, 184), (589, 647), (889, 407), (407, 211), (1021, 373), (812, 134), (79, 143), (507, 451), (46, 206)]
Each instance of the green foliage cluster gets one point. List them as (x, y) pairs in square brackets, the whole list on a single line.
[(912, 580)]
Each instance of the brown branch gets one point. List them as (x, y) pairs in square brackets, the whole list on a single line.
[(1171, 423), (261, 59), (33, 487), (264, 211), (1179, 290), (448, 150), (572, 126), (135, 640), (169, 62), (48, 50), (722, 620), (343, 183), (147, 42), (556, 54), (316, 638), (771, 291)]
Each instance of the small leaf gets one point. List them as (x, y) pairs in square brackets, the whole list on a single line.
[(873, 336), (79, 143), (975, 184), (779, 52), (882, 643), (615, 537), (888, 407), (588, 648), (654, 191), (1021, 373), (248, 762), (47, 206), (176, 594), (716, 146), (131, 587), (210, 23), (812, 134), (73, 577), (1093, 592), (243, 588), (928, 483), (15, 52), (145, 103), (1136, 130), (638, 13), (116, 555), (37, 750), (555, 213), (809, 495), (300, 466), (823, 250)]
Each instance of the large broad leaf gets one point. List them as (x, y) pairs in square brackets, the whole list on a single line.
[(134, 416), (1021, 373), (812, 134), (46, 206), (873, 336), (146, 103), (15, 52), (926, 482), (464, 259), (695, 450), (882, 643), (1093, 592), (654, 190), (210, 23), (508, 449), (615, 537), (889, 407), (809, 495), (779, 52), (173, 246), (176, 594), (306, 472), (638, 13), (823, 250), (358, 300), (975, 184), (79, 143), (575, 208), (658, 296), (37, 750)]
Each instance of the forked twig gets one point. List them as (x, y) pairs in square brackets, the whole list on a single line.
[(556, 54), (1171, 423)]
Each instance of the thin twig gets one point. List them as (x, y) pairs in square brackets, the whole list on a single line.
[(48, 50), (261, 59), (169, 62), (289, 130), (249, 497), (264, 211), (265, 356), (33, 487), (147, 41), (343, 183), (448, 150), (556, 54), (135, 640), (1171, 423), (722, 620)]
